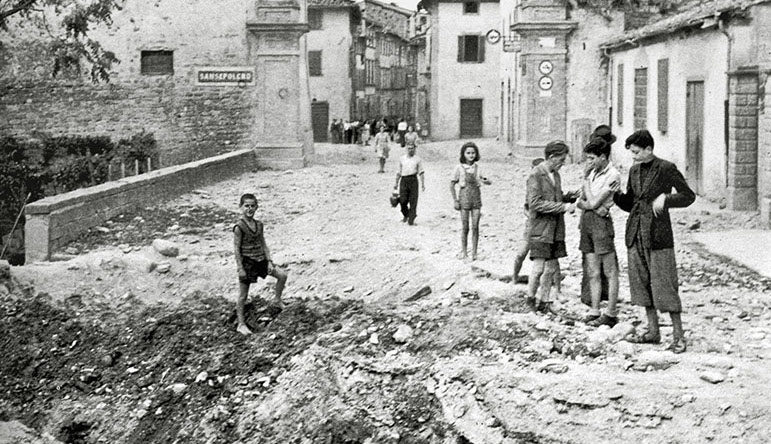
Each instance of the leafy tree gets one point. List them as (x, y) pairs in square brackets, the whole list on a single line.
[(65, 25)]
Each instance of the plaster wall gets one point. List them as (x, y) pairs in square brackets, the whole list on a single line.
[(452, 81), (334, 41), (701, 57)]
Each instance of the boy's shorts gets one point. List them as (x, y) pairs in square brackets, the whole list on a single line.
[(544, 250), (254, 269), (596, 234)]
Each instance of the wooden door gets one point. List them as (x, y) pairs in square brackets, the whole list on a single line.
[(694, 135), (471, 118), (320, 118)]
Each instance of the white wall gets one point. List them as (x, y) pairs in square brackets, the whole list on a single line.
[(452, 81), (334, 41), (700, 57)]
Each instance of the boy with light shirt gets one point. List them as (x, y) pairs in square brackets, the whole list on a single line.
[(597, 234)]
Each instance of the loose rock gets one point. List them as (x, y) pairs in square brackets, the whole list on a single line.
[(166, 248), (713, 377), (403, 334)]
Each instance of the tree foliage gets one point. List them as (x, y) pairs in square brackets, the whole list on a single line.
[(66, 25)]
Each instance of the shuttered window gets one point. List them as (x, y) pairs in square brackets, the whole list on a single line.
[(640, 98), (663, 95), (157, 63), (471, 49), (471, 7), (314, 63), (315, 19), (620, 94)]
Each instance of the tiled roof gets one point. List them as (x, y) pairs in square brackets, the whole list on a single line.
[(330, 3), (694, 15), (391, 18)]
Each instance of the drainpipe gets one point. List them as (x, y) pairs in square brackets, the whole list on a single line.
[(722, 27)]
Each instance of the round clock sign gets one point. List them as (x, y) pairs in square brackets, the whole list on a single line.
[(493, 36), (545, 67), (545, 83)]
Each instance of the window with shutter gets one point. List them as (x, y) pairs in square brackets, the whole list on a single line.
[(471, 7), (640, 98), (663, 95), (157, 63), (314, 63), (471, 49), (315, 19), (481, 47), (620, 94)]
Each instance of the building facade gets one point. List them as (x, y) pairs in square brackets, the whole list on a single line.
[(205, 78), (707, 114), (465, 97)]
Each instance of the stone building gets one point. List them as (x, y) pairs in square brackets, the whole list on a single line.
[(419, 34), (385, 63), (204, 77), (696, 79)]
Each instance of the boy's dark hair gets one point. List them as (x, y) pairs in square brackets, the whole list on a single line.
[(469, 145), (641, 138), (598, 147), (245, 197), (536, 162), (604, 133), (555, 148)]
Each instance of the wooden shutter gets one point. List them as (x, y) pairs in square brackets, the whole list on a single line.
[(620, 94), (461, 48), (663, 95), (481, 49), (314, 63)]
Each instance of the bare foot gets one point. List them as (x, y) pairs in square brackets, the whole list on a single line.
[(244, 330), (462, 255)]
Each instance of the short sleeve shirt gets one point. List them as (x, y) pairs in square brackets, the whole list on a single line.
[(409, 166), (600, 181)]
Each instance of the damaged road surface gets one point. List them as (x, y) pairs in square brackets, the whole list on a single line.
[(384, 336)]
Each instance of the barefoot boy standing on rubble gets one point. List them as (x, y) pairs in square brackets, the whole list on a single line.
[(252, 257)]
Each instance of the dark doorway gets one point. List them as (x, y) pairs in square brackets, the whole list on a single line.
[(320, 117), (470, 118), (694, 136)]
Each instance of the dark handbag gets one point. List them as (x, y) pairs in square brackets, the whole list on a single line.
[(394, 200)]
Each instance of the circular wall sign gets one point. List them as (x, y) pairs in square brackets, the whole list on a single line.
[(545, 83), (545, 67), (493, 36)]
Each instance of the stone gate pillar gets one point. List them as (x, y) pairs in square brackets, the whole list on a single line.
[(743, 140), (282, 129), (543, 30)]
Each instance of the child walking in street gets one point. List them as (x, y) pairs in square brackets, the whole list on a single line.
[(409, 177), (649, 239), (601, 180), (253, 257), (469, 197), (382, 147), (547, 205)]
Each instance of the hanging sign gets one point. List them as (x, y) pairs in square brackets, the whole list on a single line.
[(493, 36)]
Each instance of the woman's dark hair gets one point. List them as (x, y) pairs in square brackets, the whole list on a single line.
[(463, 150), (641, 138), (598, 147)]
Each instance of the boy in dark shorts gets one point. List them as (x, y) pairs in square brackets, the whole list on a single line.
[(252, 257), (597, 235), (547, 206)]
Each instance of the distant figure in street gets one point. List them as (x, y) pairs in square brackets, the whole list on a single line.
[(601, 181), (649, 238), (547, 205), (333, 131), (411, 138), (382, 147), (524, 246), (407, 179), (468, 200), (253, 257), (346, 132), (365, 132), (401, 129)]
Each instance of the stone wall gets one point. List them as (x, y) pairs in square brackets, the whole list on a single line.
[(53, 221), (190, 121), (743, 141)]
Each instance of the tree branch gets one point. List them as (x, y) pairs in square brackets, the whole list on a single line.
[(21, 6)]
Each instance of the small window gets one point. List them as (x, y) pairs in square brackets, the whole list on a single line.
[(315, 18), (471, 49), (157, 63), (471, 7), (314, 63)]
